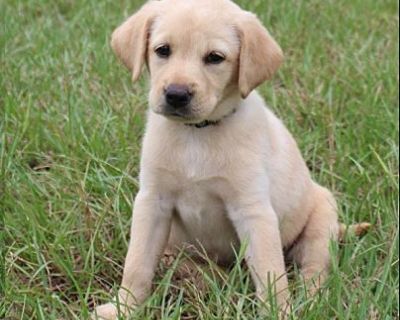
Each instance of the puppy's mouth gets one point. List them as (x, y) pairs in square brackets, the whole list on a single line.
[(185, 114)]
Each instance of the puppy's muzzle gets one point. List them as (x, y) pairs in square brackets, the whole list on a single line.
[(177, 99)]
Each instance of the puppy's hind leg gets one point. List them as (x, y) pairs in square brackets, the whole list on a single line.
[(311, 251)]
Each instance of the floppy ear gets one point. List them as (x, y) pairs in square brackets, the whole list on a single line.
[(260, 55), (129, 40)]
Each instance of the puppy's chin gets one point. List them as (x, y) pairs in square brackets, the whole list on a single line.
[(171, 114), (187, 117)]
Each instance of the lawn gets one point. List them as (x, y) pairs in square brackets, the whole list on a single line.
[(70, 133)]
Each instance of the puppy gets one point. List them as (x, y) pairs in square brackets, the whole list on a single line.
[(218, 168)]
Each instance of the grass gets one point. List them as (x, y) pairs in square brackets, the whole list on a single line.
[(70, 133)]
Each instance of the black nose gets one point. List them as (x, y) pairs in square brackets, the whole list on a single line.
[(177, 95)]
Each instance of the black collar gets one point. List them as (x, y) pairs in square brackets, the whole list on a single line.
[(207, 123)]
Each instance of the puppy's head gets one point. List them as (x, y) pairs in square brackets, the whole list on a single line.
[(199, 53)]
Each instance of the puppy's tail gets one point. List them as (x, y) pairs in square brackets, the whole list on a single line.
[(358, 229)]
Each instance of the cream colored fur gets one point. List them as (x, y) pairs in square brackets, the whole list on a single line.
[(243, 180)]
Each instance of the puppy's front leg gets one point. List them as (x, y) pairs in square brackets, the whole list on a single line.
[(151, 225), (257, 226)]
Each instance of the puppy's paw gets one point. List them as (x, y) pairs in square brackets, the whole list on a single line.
[(105, 312)]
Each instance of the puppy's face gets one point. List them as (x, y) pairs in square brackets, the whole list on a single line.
[(198, 54), (193, 63)]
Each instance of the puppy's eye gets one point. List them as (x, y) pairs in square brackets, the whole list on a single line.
[(214, 58), (163, 51)]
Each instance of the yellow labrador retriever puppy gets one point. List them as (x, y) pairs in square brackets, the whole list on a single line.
[(218, 168)]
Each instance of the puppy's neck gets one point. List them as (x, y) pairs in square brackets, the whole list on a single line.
[(207, 123), (227, 106)]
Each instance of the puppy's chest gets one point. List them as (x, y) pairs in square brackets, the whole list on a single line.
[(198, 179), (196, 161), (206, 158)]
